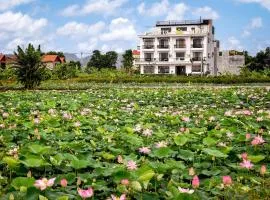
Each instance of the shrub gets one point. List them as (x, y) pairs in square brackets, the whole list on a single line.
[(64, 71)]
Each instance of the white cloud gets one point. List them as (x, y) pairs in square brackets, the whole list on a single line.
[(88, 46), (256, 22), (264, 3), (177, 12), (8, 4), (75, 29), (163, 8), (253, 24), (106, 7), (19, 24), (20, 29), (120, 29), (234, 44), (206, 12), (156, 9)]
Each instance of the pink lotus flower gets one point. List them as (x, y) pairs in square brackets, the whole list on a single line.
[(147, 132), (64, 182), (228, 113), (125, 182), (184, 190), (259, 119), (119, 159), (36, 121), (122, 197), (77, 124), (257, 141), (244, 156), (195, 182), (86, 193), (161, 144), (42, 184), (263, 169), (138, 128), (191, 171), (5, 115), (67, 116), (246, 164), (247, 112), (227, 180), (186, 119), (144, 150), (131, 165), (182, 129), (248, 136)]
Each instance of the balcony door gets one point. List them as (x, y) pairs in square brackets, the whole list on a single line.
[(163, 43), (180, 70)]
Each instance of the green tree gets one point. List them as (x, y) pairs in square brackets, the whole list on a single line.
[(128, 60), (59, 53), (110, 59), (261, 61), (76, 65), (29, 68), (99, 60), (95, 61)]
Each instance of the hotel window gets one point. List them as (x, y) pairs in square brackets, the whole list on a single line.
[(180, 55), (163, 57), (149, 69), (148, 56), (196, 68), (180, 43), (165, 31), (163, 69), (181, 29)]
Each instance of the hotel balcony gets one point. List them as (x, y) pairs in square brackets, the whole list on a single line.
[(197, 59), (180, 46), (163, 46), (197, 46), (149, 46)]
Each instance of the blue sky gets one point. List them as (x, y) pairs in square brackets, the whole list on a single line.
[(84, 25)]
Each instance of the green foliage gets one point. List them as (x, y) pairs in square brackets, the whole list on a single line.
[(9, 73), (29, 69), (65, 71), (114, 121), (128, 60), (60, 54), (99, 60), (260, 62)]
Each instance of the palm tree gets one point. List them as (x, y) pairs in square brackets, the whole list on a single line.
[(29, 68)]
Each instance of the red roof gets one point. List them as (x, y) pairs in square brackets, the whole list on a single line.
[(50, 58), (63, 59), (136, 52), (11, 59), (2, 58)]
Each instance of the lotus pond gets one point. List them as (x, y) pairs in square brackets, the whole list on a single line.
[(132, 143)]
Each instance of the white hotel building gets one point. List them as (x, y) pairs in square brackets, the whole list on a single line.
[(179, 47)]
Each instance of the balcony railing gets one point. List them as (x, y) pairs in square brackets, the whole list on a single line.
[(150, 46), (180, 46), (197, 46), (180, 58), (148, 59), (164, 59), (197, 59), (163, 46)]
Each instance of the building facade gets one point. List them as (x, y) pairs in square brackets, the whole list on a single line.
[(179, 47), (230, 62)]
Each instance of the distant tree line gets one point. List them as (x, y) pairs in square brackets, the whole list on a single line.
[(108, 60), (259, 62)]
